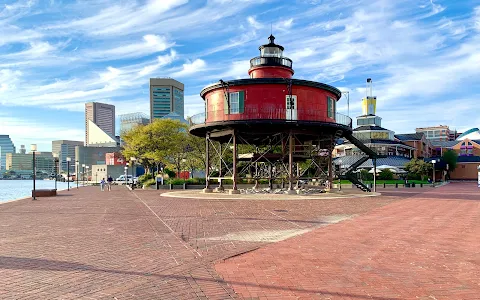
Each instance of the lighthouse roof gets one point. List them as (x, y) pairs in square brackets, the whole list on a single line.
[(271, 38)]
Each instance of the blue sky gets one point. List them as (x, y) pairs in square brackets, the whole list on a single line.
[(55, 55)]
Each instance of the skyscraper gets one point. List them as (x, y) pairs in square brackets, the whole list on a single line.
[(166, 98), (6, 146), (103, 116), (63, 149)]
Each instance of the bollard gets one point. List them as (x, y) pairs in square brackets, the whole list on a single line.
[(413, 184), (384, 185), (184, 185), (170, 186), (158, 185), (421, 185), (396, 185)]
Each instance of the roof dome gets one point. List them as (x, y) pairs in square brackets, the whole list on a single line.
[(471, 134)]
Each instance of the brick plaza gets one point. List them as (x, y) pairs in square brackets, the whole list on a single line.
[(85, 244)]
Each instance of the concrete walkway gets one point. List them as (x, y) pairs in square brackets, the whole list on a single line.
[(425, 247), (87, 244)]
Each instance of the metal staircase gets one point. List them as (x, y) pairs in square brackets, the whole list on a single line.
[(349, 173)]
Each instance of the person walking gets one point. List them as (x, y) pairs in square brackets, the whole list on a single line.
[(109, 183), (102, 184)]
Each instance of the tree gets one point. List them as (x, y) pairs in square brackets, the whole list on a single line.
[(450, 158), (365, 175), (419, 167), (385, 174), (162, 141)]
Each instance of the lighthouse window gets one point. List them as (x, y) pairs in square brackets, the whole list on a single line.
[(237, 100), (234, 103), (331, 107)]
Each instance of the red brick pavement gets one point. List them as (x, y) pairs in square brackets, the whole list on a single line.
[(426, 247), (85, 244)]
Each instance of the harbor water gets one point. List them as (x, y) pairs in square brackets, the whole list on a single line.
[(15, 189)]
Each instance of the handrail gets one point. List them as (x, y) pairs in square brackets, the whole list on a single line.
[(255, 114)]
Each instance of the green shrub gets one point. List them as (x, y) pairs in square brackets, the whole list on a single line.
[(196, 181), (365, 175), (385, 174), (170, 173), (149, 182), (175, 181), (144, 178), (412, 176)]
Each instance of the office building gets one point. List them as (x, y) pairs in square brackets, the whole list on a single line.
[(44, 162), (6, 146), (166, 99), (99, 116), (63, 149), (91, 156), (437, 133), (129, 121)]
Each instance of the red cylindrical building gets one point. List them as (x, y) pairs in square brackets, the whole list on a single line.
[(271, 108)]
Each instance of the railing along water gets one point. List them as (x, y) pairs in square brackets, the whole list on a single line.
[(254, 114)]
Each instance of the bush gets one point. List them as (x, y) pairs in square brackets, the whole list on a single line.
[(149, 182), (144, 178), (412, 176), (196, 181), (365, 175), (175, 181), (385, 175), (170, 174)]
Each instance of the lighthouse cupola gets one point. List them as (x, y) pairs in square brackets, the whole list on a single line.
[(271, 63)]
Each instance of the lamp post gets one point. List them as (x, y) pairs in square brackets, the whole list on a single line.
[(87, 167), (33, 148), (133, 160), (433, 162), (77, 166), (83, 174), (68, 173), (126, 174), (56, 171)]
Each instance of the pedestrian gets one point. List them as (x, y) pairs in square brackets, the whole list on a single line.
[(109, 183), (102, 184)]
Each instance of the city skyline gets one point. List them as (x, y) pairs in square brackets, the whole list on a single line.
[(55, 57)]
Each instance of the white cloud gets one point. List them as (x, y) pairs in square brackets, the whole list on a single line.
[(254, 23), (190, 68), (162, 60), (151, 44)]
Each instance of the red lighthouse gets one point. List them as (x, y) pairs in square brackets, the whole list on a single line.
[(281, 120)]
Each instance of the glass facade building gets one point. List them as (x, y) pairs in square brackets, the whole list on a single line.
[(166, 97), (6, 146), (129, 121)]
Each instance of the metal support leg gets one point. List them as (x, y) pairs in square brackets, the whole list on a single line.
[(256, 176), (207, 164), (374, 175), (330, 169), (220, 185), (235, 172), (270, 179), (290, 165), (298, 176)]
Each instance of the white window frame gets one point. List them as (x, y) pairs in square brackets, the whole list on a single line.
[(234, 103)]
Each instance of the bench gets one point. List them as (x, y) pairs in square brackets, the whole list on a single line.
[(45, 193)]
